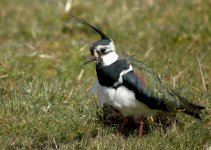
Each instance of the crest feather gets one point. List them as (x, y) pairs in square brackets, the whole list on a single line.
[(103, 36)]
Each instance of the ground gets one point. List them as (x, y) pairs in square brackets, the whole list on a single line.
[(44, 87)]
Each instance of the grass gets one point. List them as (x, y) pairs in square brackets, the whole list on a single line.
[(43, 103)]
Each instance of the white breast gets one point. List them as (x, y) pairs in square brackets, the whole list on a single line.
[(124, 100)]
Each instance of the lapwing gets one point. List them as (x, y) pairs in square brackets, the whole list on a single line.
[(134, 92)]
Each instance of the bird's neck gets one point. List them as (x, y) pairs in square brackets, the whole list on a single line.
[(110, 58), (108, 75)]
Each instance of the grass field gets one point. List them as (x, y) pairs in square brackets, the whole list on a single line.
[(45, 104)]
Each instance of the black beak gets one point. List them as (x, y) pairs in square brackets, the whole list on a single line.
[(89, 59)]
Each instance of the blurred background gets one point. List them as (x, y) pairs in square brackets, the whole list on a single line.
[(44, 87)]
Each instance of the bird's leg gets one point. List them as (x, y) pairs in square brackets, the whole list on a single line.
[(124, 123), (141, 125)]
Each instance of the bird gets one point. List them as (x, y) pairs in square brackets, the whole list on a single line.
[(131, 86)]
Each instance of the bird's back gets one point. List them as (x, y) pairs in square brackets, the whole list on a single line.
[(152, 91), (160, 97)]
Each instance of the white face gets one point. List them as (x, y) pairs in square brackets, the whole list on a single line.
[(105, 54)]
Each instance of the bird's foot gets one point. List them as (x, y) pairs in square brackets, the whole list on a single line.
[(124, 123), (141, 125)]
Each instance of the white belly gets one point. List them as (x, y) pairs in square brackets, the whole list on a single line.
[(124, 100)]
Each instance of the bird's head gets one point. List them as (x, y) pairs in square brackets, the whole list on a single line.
[(102, 51)]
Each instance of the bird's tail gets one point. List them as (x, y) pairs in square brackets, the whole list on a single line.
[(189, 108)]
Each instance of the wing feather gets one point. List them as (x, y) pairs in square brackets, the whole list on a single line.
[(148, 87)]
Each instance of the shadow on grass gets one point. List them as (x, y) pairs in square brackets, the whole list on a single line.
[(113, 118)]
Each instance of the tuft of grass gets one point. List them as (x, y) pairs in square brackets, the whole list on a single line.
[(45, 105)]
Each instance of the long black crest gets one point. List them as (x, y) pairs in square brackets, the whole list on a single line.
[(103, 36)]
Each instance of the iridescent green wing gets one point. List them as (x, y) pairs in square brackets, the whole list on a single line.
[(151, 86)]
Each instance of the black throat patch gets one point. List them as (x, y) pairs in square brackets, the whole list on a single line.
[(108, 75)]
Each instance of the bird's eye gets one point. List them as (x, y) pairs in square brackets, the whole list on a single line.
[(103, 50)]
